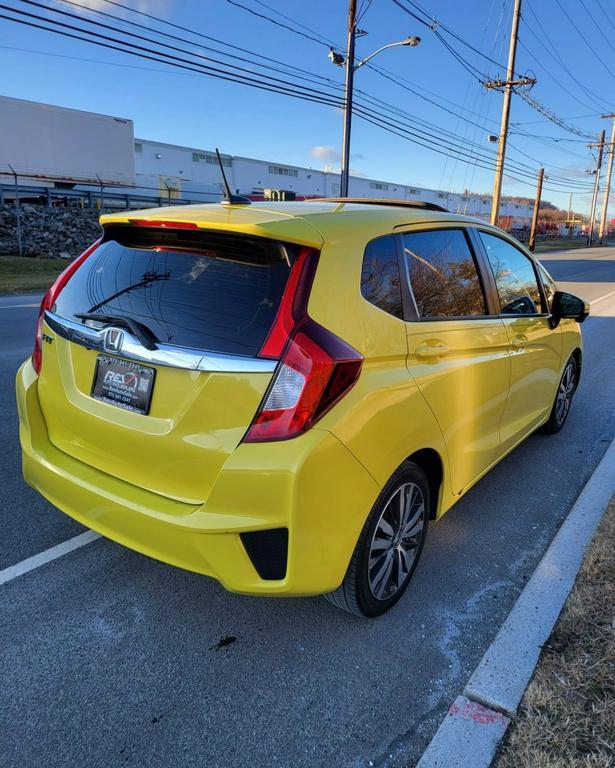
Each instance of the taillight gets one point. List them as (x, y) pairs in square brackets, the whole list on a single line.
[(49, 299), (316, 368)]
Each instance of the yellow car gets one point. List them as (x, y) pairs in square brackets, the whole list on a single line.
[(282, 396)]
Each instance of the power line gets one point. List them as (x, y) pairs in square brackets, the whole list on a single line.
[(313, 95), (549, 74), (579, 31), (598, 27), (278, 23), (554, 53)]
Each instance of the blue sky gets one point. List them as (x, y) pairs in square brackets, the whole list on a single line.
[(192, 109)]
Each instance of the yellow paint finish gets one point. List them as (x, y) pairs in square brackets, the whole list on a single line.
[(196, 421), (295, 484), (536, 368), (462, 367), (180, 486)]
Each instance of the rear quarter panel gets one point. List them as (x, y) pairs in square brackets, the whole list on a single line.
[(384, 418)]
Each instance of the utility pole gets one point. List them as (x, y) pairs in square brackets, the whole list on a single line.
[(532, 242), (507, 85), (569, 219), (352, 28), (592, 215), (602, 232)]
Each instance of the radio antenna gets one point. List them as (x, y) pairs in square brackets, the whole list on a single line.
[(230, 198)]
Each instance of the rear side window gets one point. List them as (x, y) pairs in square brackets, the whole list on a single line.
[(206, 291), (443, 274), (515, 277), (380, 281)]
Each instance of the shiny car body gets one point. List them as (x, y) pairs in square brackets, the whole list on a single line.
[(218, 473)]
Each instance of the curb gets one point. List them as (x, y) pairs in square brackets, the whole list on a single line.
[(474, 727)]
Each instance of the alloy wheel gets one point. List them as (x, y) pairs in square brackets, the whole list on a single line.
[(565, 393), (396, 541)]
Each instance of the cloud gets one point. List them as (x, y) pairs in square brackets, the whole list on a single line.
[(326, 154), (138, 5)]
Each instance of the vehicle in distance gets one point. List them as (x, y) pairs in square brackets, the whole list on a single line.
[(282, 396)]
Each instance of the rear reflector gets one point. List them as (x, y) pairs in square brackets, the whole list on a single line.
[(161, 223)]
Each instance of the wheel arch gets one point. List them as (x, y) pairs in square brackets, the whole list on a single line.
[(577, 353), (430, 461)]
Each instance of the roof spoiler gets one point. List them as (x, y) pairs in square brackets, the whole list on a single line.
[(380, 201)]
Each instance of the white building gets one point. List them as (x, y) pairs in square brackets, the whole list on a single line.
[(193, 173), (54, 148)]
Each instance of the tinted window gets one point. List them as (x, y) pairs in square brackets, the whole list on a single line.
[(514, 277), (443, 274), (380, 283), (211, 292)]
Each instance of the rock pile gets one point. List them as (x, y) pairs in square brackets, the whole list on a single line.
[(48, 232)]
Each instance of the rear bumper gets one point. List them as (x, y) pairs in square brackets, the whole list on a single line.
[(312, 485)]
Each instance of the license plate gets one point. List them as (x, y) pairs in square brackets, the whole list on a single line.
[(123, 383)]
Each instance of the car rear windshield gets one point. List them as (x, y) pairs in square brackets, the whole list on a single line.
[(210, 291)]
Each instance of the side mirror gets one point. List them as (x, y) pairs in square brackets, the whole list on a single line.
[(566, 305)]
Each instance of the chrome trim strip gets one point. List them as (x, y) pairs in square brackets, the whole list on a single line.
[(166, 354)]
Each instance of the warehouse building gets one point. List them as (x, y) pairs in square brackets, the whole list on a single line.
[(72, 152)]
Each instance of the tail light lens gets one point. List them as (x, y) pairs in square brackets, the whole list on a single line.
[(49, 299), (316, 369)]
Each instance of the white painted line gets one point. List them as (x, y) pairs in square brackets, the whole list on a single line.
[(13, 571), (468, 736), (602, 298), (502, 676)]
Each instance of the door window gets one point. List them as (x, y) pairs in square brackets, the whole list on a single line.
[(515, 277), (443, 274), (380, 283)]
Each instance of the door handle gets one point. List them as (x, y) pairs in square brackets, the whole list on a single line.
[(430, 349), (520, 340)]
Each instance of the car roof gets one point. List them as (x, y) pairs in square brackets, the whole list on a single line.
[(308, 222)]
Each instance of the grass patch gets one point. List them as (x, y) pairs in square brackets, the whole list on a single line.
[(21, 274), (567, 716), (560, 244)]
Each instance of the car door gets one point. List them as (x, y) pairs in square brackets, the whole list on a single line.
[(457, 346), (535, 347)]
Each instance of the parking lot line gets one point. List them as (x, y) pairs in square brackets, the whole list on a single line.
[(13, 571)]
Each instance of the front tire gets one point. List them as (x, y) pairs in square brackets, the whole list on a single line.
[(563, 398), (389, 547)]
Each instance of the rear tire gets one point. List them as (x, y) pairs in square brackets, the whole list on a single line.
[(563, 398), (389, 547)]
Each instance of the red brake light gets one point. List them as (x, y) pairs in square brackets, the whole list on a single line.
[(316, 370), (49, 299), (293, 306), (162, 223)]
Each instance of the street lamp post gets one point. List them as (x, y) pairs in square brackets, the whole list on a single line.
[(351, 68)]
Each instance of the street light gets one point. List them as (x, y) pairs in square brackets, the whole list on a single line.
[(348, 62)]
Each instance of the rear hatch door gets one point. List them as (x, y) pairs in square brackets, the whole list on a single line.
[(152, 375)]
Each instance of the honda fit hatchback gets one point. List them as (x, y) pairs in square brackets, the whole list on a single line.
[(282, 396)]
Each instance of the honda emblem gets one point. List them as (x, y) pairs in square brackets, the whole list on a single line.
[(113, 340)]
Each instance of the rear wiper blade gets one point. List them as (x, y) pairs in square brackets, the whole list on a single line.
[(142, 332)]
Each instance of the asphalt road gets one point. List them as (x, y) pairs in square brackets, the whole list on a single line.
[(108, 658)]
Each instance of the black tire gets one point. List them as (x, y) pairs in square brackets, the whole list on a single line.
[(362, 593), (563, 397)]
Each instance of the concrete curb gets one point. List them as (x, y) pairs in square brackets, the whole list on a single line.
[(471, 732)]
